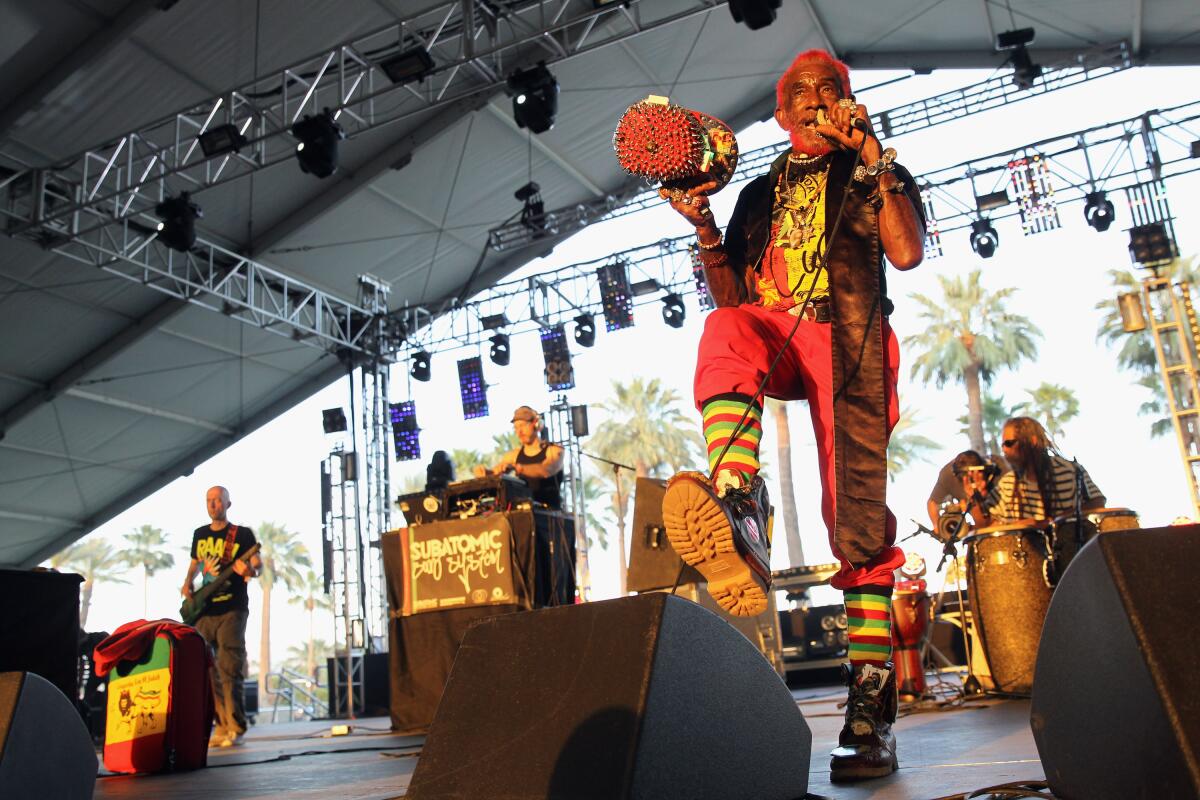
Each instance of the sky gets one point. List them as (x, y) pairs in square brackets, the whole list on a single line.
[(1060, 276)]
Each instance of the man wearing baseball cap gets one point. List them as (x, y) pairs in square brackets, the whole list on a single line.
[(535, 461)]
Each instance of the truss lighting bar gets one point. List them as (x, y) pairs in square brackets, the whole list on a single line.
[(472, 388), (406, 434), (703, 297), (471, 43)]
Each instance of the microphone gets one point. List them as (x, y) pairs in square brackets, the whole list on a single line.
[(861, 124)]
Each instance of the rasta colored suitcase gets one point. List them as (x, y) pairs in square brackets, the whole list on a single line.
[(160, 705)]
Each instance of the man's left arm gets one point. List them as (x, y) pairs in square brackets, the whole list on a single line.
[(550, 466)]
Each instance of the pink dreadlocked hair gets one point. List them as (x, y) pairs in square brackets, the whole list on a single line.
[(808, 57)]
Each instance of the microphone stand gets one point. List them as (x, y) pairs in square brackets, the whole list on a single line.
[(617, 466)]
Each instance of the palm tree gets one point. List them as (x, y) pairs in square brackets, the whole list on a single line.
[(647, 430), (1137, 353), (1053, 405), (995, 413), (465, 461), (907, 446), (787, 499), (96, 561), (282, 556), (312, 596), (145, 550), (967, 336)]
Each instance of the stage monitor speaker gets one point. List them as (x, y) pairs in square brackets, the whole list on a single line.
[(1116, 700), (653, 563), (649, 697), (45, 749)]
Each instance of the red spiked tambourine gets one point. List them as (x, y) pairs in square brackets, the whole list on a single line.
[(675, 146)]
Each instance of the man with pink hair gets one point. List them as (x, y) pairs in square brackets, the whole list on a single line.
[(802, 312)]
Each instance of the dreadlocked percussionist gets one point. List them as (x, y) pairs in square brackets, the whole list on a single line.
[(843, 358)]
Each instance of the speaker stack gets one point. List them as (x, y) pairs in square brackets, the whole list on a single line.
[(1116, 697), (45, 749), (640, 697)]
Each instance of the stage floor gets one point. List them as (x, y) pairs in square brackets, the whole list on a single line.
[(956, 750)]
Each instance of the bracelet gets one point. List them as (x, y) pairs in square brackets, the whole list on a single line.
[(886, 163), (720, 240)]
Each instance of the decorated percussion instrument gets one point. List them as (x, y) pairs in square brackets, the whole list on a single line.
[(675, 146), (1007, 569), (910, 625), (1113, 519)]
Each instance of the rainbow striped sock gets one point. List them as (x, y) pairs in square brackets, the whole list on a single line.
[(869, 623), (721, 415)]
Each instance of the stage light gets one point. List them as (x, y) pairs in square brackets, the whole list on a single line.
[(1019, 37), (984, 239), (221, 139), (333, 420), (535, 98), (641, 288), (493, 322), (673, 312), (615, 296), (992, 201), (406, 434), (317, 151), (703, 296), (1194, 150), (533, 215), (1133, 315), (585, 330), (1025, 72), (499, 352), (559, 374), (420, 368), (1098, 211), (411, 65), (579, 421), (754, 14), (471, 388), (1150, 245), (177, 225)]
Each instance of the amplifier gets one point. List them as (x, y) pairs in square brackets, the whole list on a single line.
[(421, 508)]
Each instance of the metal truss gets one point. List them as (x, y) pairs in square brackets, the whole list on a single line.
[(551, 298), (996, 91), (473, 43), (1145, 149), (221, 280)]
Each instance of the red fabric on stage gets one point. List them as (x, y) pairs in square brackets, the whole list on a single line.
[(133, 639), (734, 353)]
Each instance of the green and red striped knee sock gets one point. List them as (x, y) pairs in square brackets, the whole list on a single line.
[(869, 624), (721, 416)]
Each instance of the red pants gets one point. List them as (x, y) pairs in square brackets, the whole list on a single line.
[(736, 349)]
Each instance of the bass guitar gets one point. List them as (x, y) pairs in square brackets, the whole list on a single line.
[(193, 607)]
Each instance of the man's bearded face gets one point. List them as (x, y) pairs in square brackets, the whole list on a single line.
[(814, 86)]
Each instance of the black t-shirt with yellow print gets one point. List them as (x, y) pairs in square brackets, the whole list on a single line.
[(207, 543)]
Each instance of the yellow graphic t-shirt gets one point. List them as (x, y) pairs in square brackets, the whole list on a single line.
[(797, 240)]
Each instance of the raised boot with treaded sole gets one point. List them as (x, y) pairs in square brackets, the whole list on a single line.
[(725, 539), (866, 746)]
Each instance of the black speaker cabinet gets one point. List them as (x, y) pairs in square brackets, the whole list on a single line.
[(45, 749), (653, 563), (649, 697), (1116, 696)]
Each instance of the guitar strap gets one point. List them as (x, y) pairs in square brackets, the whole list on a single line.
[(230, 535)]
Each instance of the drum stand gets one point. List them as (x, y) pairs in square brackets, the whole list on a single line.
[(972, 685)]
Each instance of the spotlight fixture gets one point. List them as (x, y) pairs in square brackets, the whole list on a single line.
[(493, 322), (1194, 149), (992, 201), (1133, 314), (1151, 245), (535, 98), (317, 150), (579, 421), (673, 312), (499, 352), (1025, 72), (333, 420), (1098, 211), (410, 65), (984, 239), (533, 215), (406, 434), (471, 388), (585, 330), (640, 288), (754, 14), (177, 222), (221, 139), (420, 366)]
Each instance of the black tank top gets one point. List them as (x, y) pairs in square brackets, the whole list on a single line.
[(544, 490)]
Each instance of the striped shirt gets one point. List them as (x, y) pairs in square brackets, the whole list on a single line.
[(1014, 499)]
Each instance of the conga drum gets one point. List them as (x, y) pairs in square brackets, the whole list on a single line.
[(1113, 519), (1068, 535), (910, 623), (1009, 595)]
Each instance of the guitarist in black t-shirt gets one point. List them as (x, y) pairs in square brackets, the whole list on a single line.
[(223, 622)]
